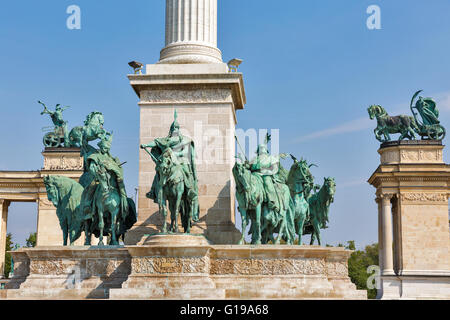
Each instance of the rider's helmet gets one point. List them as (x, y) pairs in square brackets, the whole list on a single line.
[(175, 127), (262, 149)]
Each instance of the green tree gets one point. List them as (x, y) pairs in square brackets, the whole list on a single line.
[(358, 263), (31, 241), (9, 247)]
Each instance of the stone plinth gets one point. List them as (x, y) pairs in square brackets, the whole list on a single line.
[(57, 161), (67, 272), (206, 98), (182, 272), (412, 185)]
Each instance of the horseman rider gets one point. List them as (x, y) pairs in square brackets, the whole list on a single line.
[(102, 159), (269, 168), (184, 150)]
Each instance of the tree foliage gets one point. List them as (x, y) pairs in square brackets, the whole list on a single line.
[(9, 247), (31, 240), (358, 263)]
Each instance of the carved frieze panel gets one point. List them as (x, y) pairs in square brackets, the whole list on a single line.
[(161, 265), (411, 155), (421, 197), (337, 269), (304, 266), (63, 162), (106, 267), (186, 96), (52, 266)]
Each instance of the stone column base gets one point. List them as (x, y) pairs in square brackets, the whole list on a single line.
[(415, 287)]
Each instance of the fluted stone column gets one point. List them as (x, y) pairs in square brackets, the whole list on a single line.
[(4, 204), (387, 256), (191, 32)]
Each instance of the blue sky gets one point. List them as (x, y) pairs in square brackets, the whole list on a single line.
[(311, 69)]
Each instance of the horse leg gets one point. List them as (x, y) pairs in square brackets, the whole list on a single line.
[(257, 228), (114, 241), (177, 210), (173, 217), (282, 229), (188, 204), (87, 234), (317, 232), (163, 212), (312, 238), (65, 235), (243, 224), (301, 222), (101, 226)]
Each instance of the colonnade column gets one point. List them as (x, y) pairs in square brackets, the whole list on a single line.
[(4, 205), (386, 229)]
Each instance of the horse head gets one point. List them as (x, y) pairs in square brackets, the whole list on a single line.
[(330, 188), (52, 190), (300, 178), (241, 175), (376, 111), (94, 118)]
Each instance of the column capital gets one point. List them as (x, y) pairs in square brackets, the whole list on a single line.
[(385, 198), (4, 202)]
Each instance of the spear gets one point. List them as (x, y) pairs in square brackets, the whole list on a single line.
[(242, 150), (151, 155)]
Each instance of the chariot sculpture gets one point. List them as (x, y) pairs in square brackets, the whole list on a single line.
[(428, 127)]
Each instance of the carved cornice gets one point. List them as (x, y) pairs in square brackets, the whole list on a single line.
[(18, 185)]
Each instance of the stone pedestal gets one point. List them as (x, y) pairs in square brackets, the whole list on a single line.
[(206, 97), (167, 271), (63, 162), (412, 185)]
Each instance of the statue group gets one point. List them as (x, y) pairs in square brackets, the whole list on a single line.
[(98, 203), (277, 202), (428, 128), (273, 201)]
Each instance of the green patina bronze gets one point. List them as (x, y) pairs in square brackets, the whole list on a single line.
[(275, 201), (104, 203), (98, 204), (65, 194), (60, 137), (428, 128), (176, 181)]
